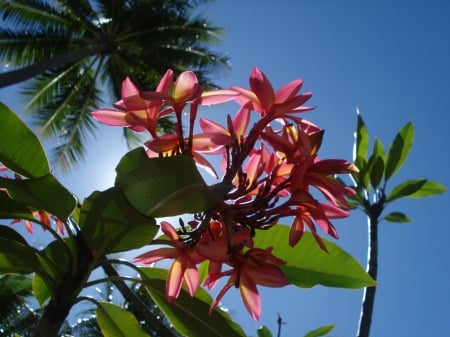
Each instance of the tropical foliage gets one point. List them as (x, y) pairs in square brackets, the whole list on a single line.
[(373, 196), (269, 172), (73, 53), (228, 230)]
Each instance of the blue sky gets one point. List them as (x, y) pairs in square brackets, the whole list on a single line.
[(392, 60)]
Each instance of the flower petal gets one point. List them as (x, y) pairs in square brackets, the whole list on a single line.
[(166, 82), (218, 96), (288, 91), (174, 279), (111, 117), (250, 296), (261, 86), (128, 88), (191, 277), (186, 86), (157, 255)]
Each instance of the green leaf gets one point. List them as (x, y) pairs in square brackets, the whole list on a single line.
[(376, 170), (189, 316), (44, 193), (361, 141), (307, 265), (406, 189), (13, 209), (115, 321), (264, 332), (399, 150), (166, 186), (17, 258), (20, 149), (109, 224), (378, 148), (363, 176), (10, 234), (322, 331), (428, 189), (40, 290), (397, 217)]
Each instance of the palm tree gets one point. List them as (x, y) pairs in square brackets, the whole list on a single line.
[(71, 52)]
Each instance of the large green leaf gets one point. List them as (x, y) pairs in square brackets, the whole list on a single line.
[(44, 193), (189, 316), (399, 149), (428, 189), (166, 186), (17, 257), (307, 265), (10, 234), (13, 209), (361, 141), (20, 149), (406, 189), (322, 331), (115, 321), (109, 224)]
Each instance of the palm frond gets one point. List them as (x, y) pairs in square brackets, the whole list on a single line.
[(65, 110), (32, 14)]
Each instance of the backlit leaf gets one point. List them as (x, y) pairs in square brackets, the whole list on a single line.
[(115, 321), (361, 141), (376, 170), (20, 149), (307, 265), (322, 331), (397, 217), (166, 186), (264, 332), (406, 189), (110, 224), (43, 193), (399, 150), (17, 258), (190, 316), (428, 189)]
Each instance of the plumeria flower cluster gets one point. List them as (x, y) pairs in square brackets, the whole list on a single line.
[(273, 167)]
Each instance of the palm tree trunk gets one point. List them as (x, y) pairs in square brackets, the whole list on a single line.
[(372, 268), (53, 62)]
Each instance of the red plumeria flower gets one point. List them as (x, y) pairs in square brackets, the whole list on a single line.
[(262, 98), (183, 268), (255, 267)]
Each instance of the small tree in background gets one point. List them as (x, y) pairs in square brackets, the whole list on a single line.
[(373, 196)]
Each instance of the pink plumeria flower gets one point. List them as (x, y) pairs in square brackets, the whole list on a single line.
[(183, 268), (215, 136), (188, 89), (255, 267), (309, 212), (135, 112), (261, 96)]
